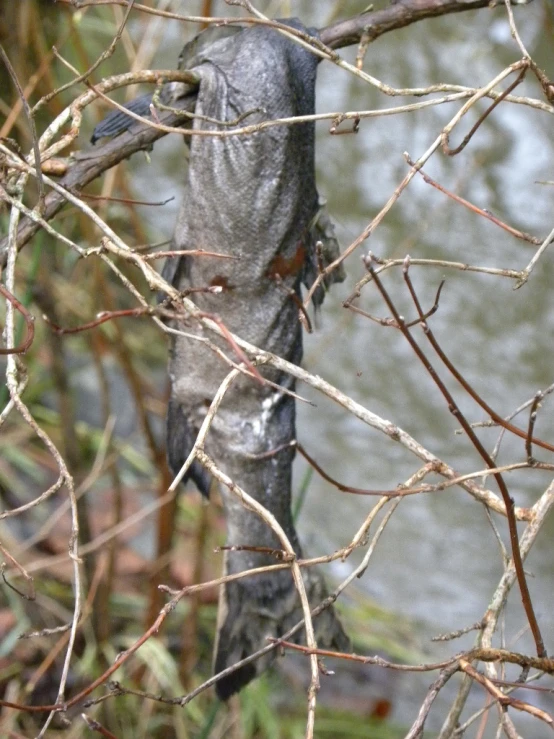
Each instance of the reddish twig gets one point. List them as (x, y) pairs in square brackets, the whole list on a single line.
[(233, 344), (390, 321), (126, 201), (191, 629), (31, 594), (476, 397), (102, 318), (480, 211), (456, 412), (452, 152), (402, 492), (95, 725), (118, 662), (302, 312), (29, 323), (339, 485), (272, 452), (505, 700), (508, 500)]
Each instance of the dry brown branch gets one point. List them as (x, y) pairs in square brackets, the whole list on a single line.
[(497, 603), (456, 411), (479, 211), (12, 381), (31, 595), (376, 221), (503, 699), (125, 282)]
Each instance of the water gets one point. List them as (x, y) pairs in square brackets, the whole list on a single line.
[(438, 562)]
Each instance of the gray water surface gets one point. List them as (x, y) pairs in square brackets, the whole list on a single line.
[(438, 562)]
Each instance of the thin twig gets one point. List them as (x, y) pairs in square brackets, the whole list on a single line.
[(29, 323), (455, 410), (31, 595), (484, 213), (532, 418), (31, 124)]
